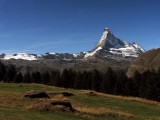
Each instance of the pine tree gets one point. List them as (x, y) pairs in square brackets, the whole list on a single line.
[(151, 90), (85, 80), (143, 84), (78, 81), (27, 78), (109, 81), (119, 85), (136, 83), (46, 78), (157, 85), (55, 78), (11, 72), (128, 87), (18, 78), (66, 78), (71, 78), (96, 80), (2, 71), (36, 77)]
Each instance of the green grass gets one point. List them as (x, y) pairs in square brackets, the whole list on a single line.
[(13, 106)]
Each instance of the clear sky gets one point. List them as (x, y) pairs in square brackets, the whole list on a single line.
[(39, 26)]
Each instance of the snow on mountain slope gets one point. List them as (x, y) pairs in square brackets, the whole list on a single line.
[(23, 56), (111, 45), (92, 53)]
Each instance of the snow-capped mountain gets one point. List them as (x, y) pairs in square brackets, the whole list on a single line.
[(23, 56), (111, 45), (107, 46)]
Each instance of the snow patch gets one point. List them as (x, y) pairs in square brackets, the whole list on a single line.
[(51, 53), (75, 55), (23, 56), (92, 53)]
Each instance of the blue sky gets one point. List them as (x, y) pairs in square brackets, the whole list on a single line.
[(39, 26)]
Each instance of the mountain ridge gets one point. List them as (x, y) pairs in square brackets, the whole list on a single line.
[(107, 46)]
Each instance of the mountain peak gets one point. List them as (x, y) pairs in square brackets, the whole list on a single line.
[(106, 36), (107, 29), (111, 45)]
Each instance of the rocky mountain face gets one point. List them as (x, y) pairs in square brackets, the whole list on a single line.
[(109, 45), (148, 61), (63, 56)]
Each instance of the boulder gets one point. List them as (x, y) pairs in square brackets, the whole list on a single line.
[(91, 94), (36, 94), (53, 105), (67, 106)]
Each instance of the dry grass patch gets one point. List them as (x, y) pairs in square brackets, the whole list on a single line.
[(12, 100), (102, 111), (134, 99), (59, 97), (142, 100)]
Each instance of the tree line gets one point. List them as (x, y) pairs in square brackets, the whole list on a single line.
[(145, 85)]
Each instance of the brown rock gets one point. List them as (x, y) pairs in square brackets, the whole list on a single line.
[(36, 94)]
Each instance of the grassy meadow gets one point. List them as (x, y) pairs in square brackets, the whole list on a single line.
[(13, 105)]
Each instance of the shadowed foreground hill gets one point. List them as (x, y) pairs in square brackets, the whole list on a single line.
[(88, 105), (148, 61)]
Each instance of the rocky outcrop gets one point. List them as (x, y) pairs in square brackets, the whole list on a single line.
[(36, 94), (52, 105)]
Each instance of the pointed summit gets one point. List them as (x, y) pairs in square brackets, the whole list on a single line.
[(106, 29), (108, 40)]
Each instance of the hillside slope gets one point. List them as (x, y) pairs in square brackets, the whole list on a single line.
[(97, 106), (147, 61)]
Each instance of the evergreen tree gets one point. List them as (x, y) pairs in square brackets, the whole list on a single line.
[(143, 84), (85, 80), (78, 81), (128, 87), (67, 78), (151, 90), (18, 78), (46, 78), (55, 78), (136, 83), (10, 74), (2, 71), (36, 77), (71, 78), (96, 80), (82, 80), (109, 81), (27, 78), (119, 88), (157, 85)]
